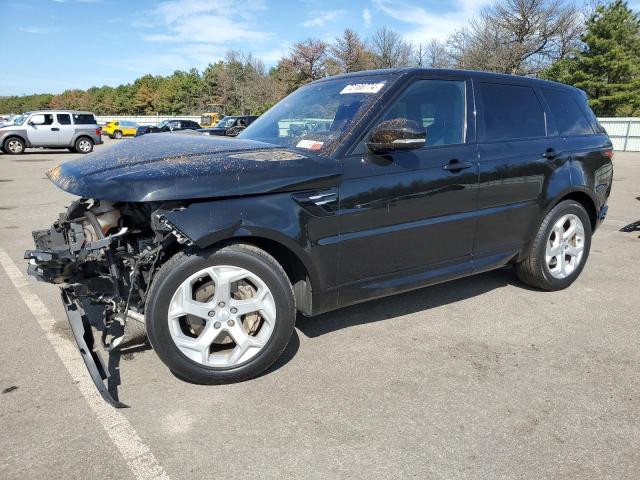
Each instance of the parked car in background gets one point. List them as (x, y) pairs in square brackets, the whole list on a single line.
[(119, 129), (168, 126), (230, 126), (423, 176), (77, 131), (6, 120)]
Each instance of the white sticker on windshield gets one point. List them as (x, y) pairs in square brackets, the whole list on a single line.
[(362, 88), (310, 144)]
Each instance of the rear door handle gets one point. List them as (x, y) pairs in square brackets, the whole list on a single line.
[(55, 129), (456, 165)]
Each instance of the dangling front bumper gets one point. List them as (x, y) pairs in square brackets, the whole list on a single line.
[(83, 334)]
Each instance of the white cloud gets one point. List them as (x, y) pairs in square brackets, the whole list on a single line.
[(318, 18), (366, 16), (197, 21), (198, 32), (429, 24), (37, 30)]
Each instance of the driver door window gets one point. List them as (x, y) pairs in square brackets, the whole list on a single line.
[(438, 105)]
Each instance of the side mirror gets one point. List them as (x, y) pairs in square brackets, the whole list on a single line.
[(397, 134)]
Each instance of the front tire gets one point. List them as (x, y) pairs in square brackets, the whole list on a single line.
[(84, 145), (117, 135), (220, 316), (560, 249), (13, 146)]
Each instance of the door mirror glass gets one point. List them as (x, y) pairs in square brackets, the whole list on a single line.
[(397, 134), (37, 120)]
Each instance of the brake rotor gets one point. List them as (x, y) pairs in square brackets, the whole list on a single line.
[(242, 291)]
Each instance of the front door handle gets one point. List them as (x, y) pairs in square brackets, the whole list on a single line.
[(55, 129), (456, 165)]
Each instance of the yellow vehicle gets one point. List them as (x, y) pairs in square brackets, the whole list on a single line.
[(210, 119), (120, 129)]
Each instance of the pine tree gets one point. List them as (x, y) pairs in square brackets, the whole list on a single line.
[(607, 66)]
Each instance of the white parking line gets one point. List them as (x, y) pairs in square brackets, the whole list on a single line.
[(136, 454)]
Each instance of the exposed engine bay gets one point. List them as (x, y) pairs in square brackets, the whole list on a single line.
[(104, 254)]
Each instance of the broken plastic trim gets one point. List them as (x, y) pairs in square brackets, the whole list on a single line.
[(81, 328)]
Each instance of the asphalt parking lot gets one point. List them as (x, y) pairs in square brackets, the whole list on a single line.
[(477, 378)]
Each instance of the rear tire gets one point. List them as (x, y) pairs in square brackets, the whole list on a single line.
[(222, 339), (560, 249), (117, 135), (14, 146), (84, 145)]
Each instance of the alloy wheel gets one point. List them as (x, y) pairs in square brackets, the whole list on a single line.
[(14, 146), (565, 246), (84, 145), (222, 316)]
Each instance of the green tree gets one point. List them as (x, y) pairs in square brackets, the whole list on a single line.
[(607, 66)]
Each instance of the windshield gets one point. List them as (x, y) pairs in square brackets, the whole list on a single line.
[(316, 116), (162, 124), (226, 122), (19, 120)]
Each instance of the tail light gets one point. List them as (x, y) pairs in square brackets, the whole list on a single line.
[(98, 131), (608, 153)]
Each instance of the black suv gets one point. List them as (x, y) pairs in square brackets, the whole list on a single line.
[(230, 126), (353, 188), (168, 126)]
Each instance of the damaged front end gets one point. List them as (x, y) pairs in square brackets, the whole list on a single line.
[(103, 255)]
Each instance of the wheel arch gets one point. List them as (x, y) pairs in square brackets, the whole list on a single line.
[(295, 265), (16, 135), (582, 196), (586, 201), (83, 135)]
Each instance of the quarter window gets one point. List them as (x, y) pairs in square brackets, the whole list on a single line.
[(510, 112), (570, 120), (437, 105), (83, 119), (64, 119)]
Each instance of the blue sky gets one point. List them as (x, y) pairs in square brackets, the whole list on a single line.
[(52, 45)]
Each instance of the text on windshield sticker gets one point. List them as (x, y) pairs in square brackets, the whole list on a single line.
[(362, 88)]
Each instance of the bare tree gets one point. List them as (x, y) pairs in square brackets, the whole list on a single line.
[(309, 58), (390, 49), (517, 36), (433, 54), (350, 52)]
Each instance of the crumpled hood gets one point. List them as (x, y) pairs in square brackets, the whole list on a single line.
[(170, 166)]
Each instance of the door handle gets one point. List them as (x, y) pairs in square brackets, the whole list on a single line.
[(456, 165), (55, 129), (550, 154)]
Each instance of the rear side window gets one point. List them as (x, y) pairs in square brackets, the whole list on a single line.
[(64, 119), (510, 112), (569, 117), (83, 119)]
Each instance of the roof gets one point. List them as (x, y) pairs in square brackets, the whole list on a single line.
[(61, 110), (453, 72)]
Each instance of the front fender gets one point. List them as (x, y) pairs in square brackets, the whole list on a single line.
[(276, 217)]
